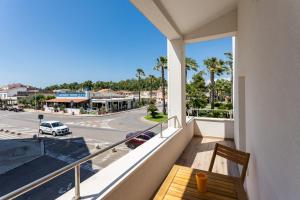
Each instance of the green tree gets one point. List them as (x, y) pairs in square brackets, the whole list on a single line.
[(196, 90), (139, 74), (215, 67), (161, 65), (229, 63), (37, 101), (223, 89), (151, 80), (152, 109), (190, 64), (87, 85)]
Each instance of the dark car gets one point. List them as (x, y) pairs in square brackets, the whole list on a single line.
[(137, 141)]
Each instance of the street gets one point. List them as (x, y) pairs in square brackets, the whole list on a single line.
[(87, 133)]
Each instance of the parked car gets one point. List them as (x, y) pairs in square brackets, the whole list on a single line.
[(91, 110), (141, 139), (4, 108), (10, 108), (18, 108), (53, 127)]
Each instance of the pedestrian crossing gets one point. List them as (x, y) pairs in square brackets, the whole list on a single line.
[(93, 124), (8, 136), (8, 131), (5, 114)]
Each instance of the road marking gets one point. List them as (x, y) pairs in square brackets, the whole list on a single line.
[(5, 126), (8, 136), (95, 124)]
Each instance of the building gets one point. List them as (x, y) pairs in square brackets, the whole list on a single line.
[(10, 94), (159, 95), (71, 101), (102, 101), (125, 93), (107, 100)]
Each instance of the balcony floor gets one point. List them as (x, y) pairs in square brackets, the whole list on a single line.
[(198, 154)]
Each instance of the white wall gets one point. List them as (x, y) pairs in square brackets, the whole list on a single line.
[(138, 174), (269, 58), (14, 91), (212, 127)]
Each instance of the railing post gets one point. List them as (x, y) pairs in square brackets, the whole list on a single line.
[(77, 182)]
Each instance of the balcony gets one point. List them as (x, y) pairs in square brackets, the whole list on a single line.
[(140, 173)]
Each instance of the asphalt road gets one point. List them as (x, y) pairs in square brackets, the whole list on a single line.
[(87, 133)]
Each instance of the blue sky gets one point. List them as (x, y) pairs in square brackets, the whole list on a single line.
[(55, 41)]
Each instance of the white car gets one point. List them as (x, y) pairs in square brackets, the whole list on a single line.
[(53, 127)]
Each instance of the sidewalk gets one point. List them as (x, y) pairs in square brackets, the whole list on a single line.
[(83, 115)]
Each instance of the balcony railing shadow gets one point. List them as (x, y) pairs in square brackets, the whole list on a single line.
[(57, 154)]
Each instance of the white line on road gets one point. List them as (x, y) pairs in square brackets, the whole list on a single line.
[(8, 136)]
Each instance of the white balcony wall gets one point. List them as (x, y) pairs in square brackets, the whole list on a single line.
[(268, 45), (213, 127)]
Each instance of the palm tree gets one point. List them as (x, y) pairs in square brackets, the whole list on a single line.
[(229, 63), (151, 78), (190, 64), (139, 74), (214, 66), (161, 65)]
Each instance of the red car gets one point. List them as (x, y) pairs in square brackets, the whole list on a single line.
[(137, 141)]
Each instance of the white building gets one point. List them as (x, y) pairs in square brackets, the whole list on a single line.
[(12, 90), (9, 93), (107, 100)]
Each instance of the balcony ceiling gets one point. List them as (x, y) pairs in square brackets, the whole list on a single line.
[(190, 19)]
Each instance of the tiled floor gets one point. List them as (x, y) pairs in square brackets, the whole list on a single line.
[(198, 155)]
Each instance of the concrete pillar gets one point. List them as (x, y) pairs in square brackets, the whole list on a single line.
[(106, 106), (176, 82)]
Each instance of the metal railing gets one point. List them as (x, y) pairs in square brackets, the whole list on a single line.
[(76, 165), (215, 113)]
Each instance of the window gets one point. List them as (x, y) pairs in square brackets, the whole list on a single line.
[(144, 137), (57, 124)]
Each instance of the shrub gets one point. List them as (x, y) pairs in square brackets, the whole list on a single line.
[(212, 113), (81, 110), (226, 106), (55, 107), (102, 110), (218, 104), (153, 110), (62, 108)]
